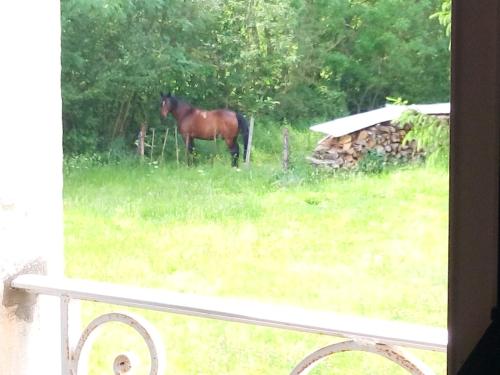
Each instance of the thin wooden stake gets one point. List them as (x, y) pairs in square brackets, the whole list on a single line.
[(286, 150), (164, 143), (249, 145), (215, 153), (142, 135), (152, 143), (186, 151), (176, 146)]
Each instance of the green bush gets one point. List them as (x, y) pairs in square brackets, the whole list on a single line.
[(372, 162), (432, 134)]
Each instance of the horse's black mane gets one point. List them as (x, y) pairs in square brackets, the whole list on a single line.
[(175, 101)]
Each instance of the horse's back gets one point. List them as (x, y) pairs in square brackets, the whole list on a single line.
[(225, 115), (227, 123), (209, 124)]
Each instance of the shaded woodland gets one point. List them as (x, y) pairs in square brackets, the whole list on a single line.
[(282, 61)]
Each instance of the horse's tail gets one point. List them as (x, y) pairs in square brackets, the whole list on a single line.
[(243, 127)]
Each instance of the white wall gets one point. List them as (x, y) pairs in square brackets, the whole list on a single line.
[(30, 179)]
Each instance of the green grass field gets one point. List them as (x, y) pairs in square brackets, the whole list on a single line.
[(368, 245)]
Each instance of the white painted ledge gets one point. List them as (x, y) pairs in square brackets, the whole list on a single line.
[(243, 311)]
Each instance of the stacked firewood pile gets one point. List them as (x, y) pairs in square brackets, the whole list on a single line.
[(385, 139)]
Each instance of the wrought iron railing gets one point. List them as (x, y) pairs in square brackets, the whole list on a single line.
[(380, 337)]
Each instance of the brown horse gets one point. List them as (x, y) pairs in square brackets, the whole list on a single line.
[(201, 124)]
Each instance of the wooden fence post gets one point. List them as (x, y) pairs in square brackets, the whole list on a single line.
[(152, 144), (163, 147), (250, 138), (176, 146), (286, 150), (142, 135), (215, 153)]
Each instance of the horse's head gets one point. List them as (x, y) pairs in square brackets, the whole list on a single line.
[(166, 104)]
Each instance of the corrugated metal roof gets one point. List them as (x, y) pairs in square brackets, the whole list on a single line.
[(349, 124)]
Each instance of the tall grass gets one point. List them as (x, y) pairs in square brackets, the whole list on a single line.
[(371, 245)]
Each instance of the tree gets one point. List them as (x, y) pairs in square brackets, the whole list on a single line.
[(394, 52), (444, 16), (299, 60)]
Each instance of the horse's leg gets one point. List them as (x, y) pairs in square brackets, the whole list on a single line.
[(191, 145), (234, 149), (189, 148)]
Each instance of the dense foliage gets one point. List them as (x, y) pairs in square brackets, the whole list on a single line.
[(431, 133), (298, 61)]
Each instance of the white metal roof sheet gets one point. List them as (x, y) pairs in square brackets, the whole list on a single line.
[(349, 124)]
